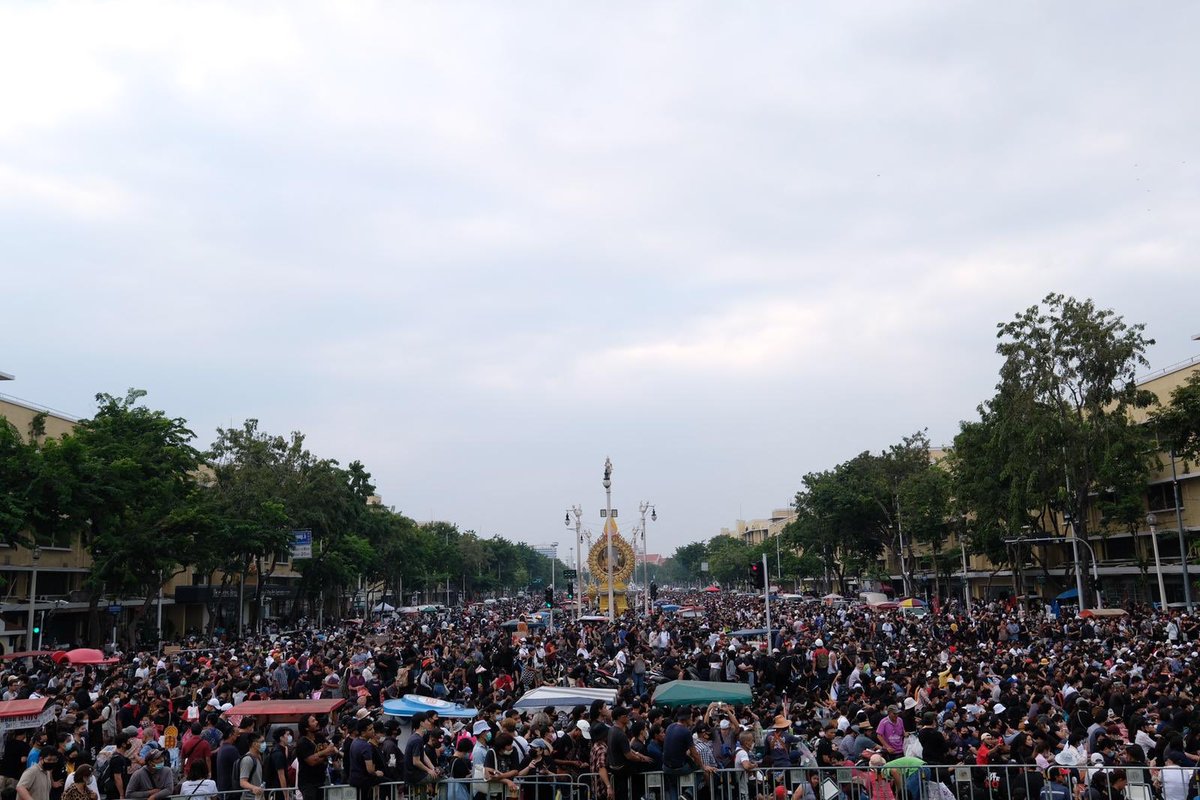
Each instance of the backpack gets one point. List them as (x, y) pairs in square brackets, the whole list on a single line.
[(104, 777), (822, 659)]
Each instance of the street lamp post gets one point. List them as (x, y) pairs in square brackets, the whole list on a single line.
[(553, 588), (1074, 543), (644, 507), (612, 611), (962, 542), (1152, 521), (37, 554), (578, 512), (1183, 550)]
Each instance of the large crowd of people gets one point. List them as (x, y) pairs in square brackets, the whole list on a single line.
[(848, 703)]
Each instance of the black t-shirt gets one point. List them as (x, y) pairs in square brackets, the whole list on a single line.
[(12, 763), (934, 749), (618, 749), (676, 746), (307, 774), (414, 748), (117, 765), (277, 760)]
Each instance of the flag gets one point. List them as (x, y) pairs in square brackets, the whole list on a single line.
[(610, 526)]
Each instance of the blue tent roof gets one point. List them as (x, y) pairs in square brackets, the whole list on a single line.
[(1069, 594)]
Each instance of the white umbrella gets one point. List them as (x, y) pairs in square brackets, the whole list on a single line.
[(383, 607)]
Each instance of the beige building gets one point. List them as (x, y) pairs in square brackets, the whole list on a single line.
[(56, 572), (756, 531), (1126, 564)]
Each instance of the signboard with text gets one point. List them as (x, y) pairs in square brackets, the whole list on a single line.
[(301, 544)]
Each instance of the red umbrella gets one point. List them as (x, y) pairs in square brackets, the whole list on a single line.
[(712, 589), (82, 655)]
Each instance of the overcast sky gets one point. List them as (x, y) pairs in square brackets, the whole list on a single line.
[(482, 246)]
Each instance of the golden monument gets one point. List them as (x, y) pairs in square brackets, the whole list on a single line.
[(623, 560)]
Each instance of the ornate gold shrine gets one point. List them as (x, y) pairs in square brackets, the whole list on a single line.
[(623, 562)]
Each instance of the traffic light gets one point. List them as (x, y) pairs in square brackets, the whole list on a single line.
[(549, 597), (37, 629), (570, 590), (653, 592), (755, 573)]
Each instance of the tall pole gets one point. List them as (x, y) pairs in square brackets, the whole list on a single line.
[(778, 568), (553, 563), (1183, 550), (767, 601), (966, 587), (644, 506), (578, 512), (612, 611), (1152, 521), (1074, 542), (37, 554)]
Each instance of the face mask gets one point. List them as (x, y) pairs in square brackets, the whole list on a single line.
[(49, 766)]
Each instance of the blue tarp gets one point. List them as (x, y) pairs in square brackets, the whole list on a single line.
[(410, 704), (1069, 594)]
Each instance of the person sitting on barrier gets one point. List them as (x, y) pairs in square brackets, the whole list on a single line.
[(153, 781), (876, 785), (503, 765), (198, 784), (458, 774)]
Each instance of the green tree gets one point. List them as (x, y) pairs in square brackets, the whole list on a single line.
[(1178, 422), (687, 561), (134, 490), (729, 560)]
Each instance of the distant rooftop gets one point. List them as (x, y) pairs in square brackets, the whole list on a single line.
[(4, 376)]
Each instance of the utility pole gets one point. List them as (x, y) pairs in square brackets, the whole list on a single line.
[(612, 611), (37, 555), (767, 601), (1183, 549), (644, 507)]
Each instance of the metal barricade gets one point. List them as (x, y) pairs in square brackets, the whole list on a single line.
[(906, 781)]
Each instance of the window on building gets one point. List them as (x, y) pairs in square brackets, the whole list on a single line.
[(1160, 497), (283, 558), (1120, 549)]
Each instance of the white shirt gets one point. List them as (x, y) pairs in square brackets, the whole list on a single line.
[(198, 788)]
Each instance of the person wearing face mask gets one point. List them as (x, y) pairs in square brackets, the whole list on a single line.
[(153, 781), (279, 759), (250, 769), (81, 784), (37, 781)]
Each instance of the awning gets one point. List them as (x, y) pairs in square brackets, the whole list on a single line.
[(20, 714), (283, 710), (1069, 594), (27, 654), (699, 693), (564, 697), (82, 655)]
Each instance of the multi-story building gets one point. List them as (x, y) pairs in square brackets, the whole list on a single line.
[(47, 583), (756, 531), (1125, 558)]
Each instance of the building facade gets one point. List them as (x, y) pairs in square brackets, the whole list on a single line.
[(48, 583)]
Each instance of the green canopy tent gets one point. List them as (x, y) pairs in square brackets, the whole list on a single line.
[(699, 693)]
